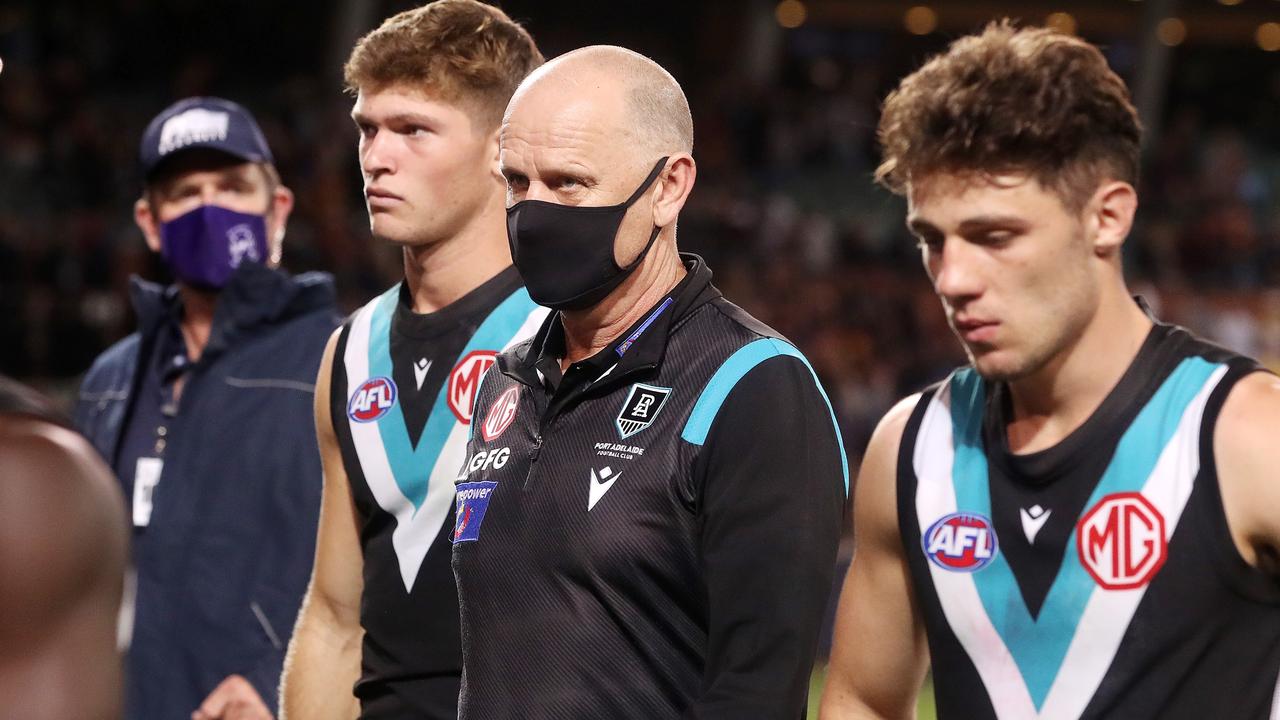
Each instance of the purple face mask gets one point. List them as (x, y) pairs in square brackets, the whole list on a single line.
[(206, 245)]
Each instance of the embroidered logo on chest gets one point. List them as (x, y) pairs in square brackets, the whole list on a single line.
[(501, 414), (1122, 542), (641, 408), (372, 399), (464, 381), (961, 542)]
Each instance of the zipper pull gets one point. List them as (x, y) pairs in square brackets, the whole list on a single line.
[(533, 458), (537, 449)]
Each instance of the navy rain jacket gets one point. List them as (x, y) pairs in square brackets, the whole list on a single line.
[(223, 564)]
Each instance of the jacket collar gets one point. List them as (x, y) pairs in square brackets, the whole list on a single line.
[(642, 346), (255, 296)]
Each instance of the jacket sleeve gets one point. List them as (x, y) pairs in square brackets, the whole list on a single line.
[(772, 499)]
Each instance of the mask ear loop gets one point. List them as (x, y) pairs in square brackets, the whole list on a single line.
[(644, 187)]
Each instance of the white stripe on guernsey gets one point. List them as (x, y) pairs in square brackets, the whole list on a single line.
[(373, 457), (1106, 616), (935, 498), (415, 531), (530, 326), (1275, 702)]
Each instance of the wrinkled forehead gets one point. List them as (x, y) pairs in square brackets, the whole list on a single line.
[(582, 122)]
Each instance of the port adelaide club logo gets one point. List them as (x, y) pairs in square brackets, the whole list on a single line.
[(641, 407), (372, 399), (961, 542)]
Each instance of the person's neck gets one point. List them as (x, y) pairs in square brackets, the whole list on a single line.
[(1055, 400), (439, 273), (587, 332), (196, 324)]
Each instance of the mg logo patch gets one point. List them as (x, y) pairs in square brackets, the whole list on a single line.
[(501, 414), (961, 542), (372, 399), (473, 500), (464, 381), (1122, 542), (642, 405)]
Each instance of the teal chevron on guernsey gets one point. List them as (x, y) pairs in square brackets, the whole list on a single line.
[(494, 333), (727, 377), (1039, 645)]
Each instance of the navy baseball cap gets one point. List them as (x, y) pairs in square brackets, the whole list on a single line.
[(202, 122)]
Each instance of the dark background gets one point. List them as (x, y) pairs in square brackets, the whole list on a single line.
[(784, 210)]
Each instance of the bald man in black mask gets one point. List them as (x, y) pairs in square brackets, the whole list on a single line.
[(648, 517)]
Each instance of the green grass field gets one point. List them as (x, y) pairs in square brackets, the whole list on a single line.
[(924, 709)]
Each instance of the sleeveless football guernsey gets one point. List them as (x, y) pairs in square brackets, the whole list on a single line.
[(1097, 578), (403, 389)]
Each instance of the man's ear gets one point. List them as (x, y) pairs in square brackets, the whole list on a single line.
[(1109, 215), (147, 223), (493, 150), (674, 185), (277, 219)]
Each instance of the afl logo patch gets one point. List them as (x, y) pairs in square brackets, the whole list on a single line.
[(1122, 541), (961, 542), (501, 414), (372, 399), (464, 381)]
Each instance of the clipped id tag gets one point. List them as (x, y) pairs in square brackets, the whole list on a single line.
[(145, 479)]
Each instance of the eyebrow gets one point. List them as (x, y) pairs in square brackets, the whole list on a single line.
[(404, 118), (971, 225), (557, 169), (237, 173)]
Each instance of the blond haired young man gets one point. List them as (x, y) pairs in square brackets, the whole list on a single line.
[(396, 387)]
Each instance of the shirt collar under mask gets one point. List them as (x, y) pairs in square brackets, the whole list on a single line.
[(564, 253)]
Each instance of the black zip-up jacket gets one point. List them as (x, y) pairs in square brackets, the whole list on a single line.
[(652, 535)]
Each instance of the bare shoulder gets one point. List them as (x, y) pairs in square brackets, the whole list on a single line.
[(885, 441), (1247, 424), (62, 523), (875, 499), (1246, 454), (324, 423)]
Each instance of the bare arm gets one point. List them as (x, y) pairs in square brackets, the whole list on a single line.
[(323, 662), (879, 656), (1247, 456), (62, 555)]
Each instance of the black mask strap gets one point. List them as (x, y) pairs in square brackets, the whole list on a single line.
[(644, 186)]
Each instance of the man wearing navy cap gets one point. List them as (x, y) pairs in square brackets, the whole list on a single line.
[(204, 414)]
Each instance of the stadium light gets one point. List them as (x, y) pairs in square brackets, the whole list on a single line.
[(1268, 36), (1171, 32), (790, 13), (920, 20), (1063, 22)]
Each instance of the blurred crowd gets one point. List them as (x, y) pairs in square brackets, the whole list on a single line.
[(785, 210)]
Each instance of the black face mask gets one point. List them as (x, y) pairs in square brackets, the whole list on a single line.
[(565, 253)]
